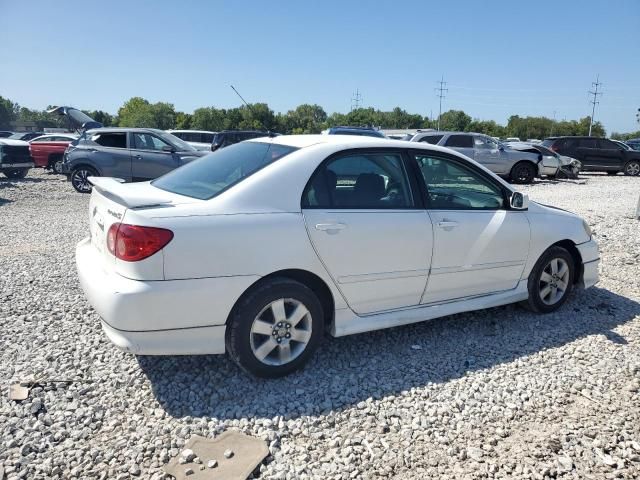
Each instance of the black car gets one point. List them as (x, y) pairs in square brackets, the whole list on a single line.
[(229, 137), (597, 154), (25, 136), (361, 131)]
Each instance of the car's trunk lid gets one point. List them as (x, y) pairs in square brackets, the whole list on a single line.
[(78, 120)]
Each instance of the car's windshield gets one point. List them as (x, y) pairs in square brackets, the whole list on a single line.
[(17, 136), (210, 175), (180, 144)]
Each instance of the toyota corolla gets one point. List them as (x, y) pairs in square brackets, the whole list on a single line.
[(260, 248)]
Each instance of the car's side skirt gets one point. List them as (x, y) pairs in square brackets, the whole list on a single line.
[(347, 323)]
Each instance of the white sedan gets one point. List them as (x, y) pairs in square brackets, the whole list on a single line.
[(259, 248)]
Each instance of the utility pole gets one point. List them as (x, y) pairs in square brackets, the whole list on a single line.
[(356, 101), (595, 101), (553, 123), (441, 94)]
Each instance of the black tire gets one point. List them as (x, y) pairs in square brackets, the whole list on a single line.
[(612, 173), (523, 172), (15, 173), (536, 284), (240, 338), (632, 168), (79, 178), (55, 164)]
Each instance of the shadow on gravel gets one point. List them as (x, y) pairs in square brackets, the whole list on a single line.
[(11, 182), (349, 370)]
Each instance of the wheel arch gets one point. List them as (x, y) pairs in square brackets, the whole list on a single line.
[(569, 246), (305, 277), (85, 163)]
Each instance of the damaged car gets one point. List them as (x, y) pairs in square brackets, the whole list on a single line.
[(552, 164)]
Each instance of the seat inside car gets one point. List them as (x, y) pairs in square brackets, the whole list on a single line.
[(368, 190)]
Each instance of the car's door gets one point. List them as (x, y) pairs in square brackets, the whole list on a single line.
[(588, 153), (113, 157), (610, 155), (487, 152), (151, 156), (480, 246), (462, 143), (367, 223)]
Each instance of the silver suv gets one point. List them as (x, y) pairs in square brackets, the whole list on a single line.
[(514, 165)]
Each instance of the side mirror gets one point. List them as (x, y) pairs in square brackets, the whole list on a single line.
[(168, 148), (519, 201)]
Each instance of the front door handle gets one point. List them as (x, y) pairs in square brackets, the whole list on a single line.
[(447, 224), (139, 157), (330, 227)]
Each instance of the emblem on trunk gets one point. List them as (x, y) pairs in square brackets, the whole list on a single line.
[(114, 214)]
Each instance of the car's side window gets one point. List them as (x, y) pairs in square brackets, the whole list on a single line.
[(454, 186), (460, 141), (432, 139), (145, 141), (608, 144), (360, 181), (588, 143), (113, 140)]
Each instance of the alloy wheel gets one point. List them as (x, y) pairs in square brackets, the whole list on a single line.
[(632, 169), (80, 181), (554, 281), (281, 332)]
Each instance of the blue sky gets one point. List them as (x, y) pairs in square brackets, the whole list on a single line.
[(498, 57)]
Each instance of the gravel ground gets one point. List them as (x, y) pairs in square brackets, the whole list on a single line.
[(500, 393)]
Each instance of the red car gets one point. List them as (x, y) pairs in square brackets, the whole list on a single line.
[(47, 150)]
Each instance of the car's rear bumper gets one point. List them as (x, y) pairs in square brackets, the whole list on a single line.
[(590, 261), (166, 317)]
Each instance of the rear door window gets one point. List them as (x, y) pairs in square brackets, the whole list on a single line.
[(588, 143), (112, 139), (460, 141), (432, 139)]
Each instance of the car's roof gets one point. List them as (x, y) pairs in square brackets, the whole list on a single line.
[(190, 131), (124, 129)]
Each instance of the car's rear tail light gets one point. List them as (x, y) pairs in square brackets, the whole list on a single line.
[(133, 243)]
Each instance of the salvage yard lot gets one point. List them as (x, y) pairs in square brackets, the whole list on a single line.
[(498, 393)]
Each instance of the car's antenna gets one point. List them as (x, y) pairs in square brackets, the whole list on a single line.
[(269, 132)]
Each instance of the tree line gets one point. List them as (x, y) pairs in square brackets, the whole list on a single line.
[(306, 118)]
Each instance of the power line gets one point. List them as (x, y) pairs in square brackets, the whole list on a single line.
[(440, 89), (356, 101), (595, 101)]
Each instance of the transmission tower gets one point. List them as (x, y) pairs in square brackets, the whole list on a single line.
[(441, 94), (597, 84), (356, 101)]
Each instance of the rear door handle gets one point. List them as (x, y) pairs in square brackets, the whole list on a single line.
[(330, 227), (139, 157), (447, 224)]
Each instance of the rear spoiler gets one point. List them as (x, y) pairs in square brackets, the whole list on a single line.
[(115, 189)]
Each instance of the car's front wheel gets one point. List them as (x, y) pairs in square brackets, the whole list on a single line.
[(523, 172), (275, 328), (551, 280), (632, 168), (15, 173), (79, 179)]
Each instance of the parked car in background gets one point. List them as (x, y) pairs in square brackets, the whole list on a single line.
[(231, 137), (200, 139), (597, 154), (361, 131), (517, 166), (25, 136), (15, 160), (634, 143), (512, 139), (552, 165), (5, 133), (131, 154), (218, 257), (47, 151)]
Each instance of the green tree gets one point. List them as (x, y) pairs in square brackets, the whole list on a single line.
[(136, 112), (304, 119), (183, 121), (455, 120), (164, 115), (8, 112)]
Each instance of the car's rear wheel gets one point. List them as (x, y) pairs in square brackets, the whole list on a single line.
[(15, 173), (551, 280), (523, 172), (275, 328), (632, 168), (79, 179), (55, 163)]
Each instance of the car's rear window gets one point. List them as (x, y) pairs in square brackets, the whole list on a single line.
[(211, 175)]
